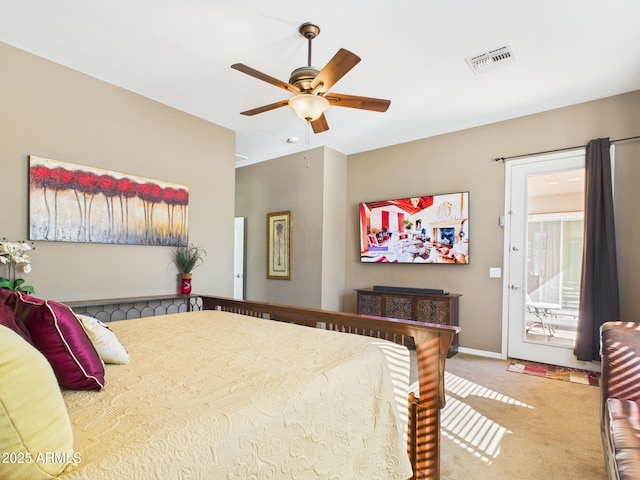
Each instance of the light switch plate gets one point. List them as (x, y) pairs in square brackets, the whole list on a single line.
[(495, 272)]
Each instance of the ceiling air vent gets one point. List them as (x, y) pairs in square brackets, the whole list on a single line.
[(491, 60)]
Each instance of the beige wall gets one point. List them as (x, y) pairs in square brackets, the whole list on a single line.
[(627, 217), (446, 163), (566, 202), (464, 161), (443, 164), (291, 183), (54, 112), (312, 186), (335, 217)]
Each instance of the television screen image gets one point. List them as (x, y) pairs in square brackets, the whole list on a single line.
[(428, 229)]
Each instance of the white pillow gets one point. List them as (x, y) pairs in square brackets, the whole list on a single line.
[(107, 344)]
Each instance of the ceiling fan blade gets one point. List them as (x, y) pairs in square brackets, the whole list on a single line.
[(265, 108), (320, 124), (265, 78), (364, 103), (338, 66)]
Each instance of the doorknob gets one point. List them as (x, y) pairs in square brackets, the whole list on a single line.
[(515, 249), (515, 287)]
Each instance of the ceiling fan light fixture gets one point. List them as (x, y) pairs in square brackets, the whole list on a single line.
[(308, 107), (310, 85)]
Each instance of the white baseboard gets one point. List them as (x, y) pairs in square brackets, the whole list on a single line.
[(481, 353)]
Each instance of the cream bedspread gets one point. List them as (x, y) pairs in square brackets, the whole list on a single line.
[(214, 395)]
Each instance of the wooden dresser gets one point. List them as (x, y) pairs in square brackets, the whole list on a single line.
[(442, 309)]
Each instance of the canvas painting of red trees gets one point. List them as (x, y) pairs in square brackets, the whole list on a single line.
[(74, 203)]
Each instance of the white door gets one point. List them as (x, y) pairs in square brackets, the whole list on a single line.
[(543, 255), (238, 258)]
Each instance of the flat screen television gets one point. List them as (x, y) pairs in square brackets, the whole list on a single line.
[(417, 230)]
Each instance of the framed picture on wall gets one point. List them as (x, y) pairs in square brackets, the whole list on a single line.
[(279, 245), (76, 203)]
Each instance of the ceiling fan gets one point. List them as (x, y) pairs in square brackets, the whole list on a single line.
[(310, 86)]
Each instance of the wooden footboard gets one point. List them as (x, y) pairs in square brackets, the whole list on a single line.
[(432, 344)]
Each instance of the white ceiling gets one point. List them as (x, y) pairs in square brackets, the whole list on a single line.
[(413, 53)]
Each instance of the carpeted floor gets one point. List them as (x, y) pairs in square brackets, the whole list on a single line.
[(575, 375), (501, 426)]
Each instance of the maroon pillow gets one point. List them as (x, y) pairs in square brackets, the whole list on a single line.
[(8, 319), (6, 296), (59, 335)]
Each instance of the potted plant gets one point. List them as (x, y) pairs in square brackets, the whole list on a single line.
[(186, 259), (15, 256)]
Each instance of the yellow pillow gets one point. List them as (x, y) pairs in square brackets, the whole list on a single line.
[(36, 441)]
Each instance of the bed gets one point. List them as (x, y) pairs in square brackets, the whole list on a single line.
[(225, 394)]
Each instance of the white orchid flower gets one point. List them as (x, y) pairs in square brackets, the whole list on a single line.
[(14, 256)]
